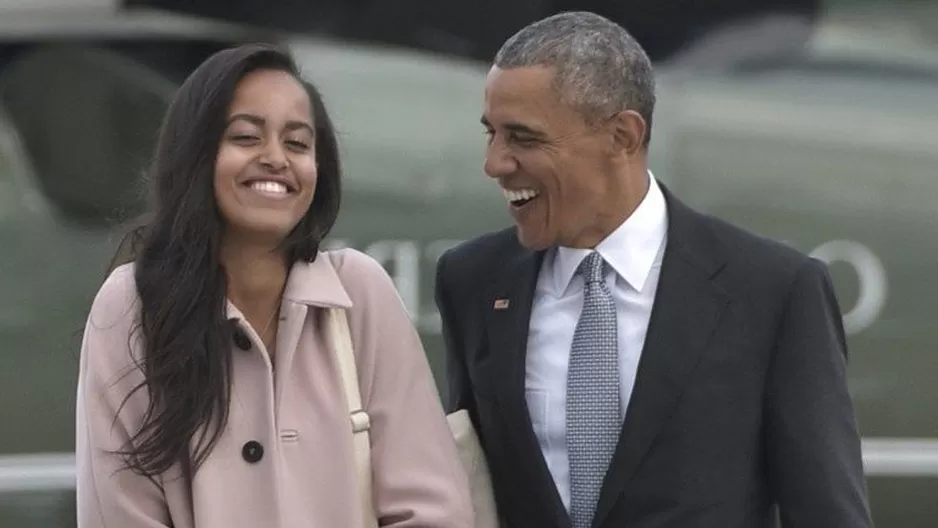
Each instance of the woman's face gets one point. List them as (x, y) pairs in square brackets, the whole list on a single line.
[(265, 172)]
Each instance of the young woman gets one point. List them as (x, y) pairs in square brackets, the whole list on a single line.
[(208, 394)]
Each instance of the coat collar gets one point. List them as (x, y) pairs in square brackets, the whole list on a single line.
[(315, 283)]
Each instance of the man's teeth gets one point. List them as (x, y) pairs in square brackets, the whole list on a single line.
[(522, 194), (269, 187)]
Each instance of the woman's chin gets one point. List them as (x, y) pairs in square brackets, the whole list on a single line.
[(260, 231)]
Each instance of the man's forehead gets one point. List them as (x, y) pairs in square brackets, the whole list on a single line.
[(521, 82), (519, 93)]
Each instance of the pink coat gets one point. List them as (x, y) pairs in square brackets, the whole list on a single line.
[(304, 477)]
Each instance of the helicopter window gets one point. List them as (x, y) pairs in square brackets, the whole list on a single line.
[(87, 119)]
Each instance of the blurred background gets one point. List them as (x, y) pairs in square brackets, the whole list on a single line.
[(811, 121)]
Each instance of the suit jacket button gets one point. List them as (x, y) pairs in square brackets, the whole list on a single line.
[(242, 340), (252, 451)]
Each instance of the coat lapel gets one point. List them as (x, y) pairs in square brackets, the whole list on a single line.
[(687, 309), (508, 306)]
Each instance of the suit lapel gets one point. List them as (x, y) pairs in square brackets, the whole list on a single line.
[(508, 305), (687, 309)]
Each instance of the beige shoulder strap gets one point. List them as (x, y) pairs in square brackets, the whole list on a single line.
[(361, 443)]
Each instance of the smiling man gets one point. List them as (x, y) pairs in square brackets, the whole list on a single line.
[(626, 360)]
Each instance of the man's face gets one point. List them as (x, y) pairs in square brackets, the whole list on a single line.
[(555, 169)]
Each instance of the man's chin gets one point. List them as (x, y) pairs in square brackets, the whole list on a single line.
[(533, 240)]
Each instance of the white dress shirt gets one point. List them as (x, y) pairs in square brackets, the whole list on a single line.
[(634, 252)]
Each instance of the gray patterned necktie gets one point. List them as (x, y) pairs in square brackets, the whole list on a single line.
[(593, 417)]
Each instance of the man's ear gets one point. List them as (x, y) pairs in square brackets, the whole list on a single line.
[(627, 130)]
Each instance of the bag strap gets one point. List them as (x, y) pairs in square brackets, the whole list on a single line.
[(361, 443)]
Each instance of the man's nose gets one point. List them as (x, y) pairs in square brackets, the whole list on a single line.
[(498, 161)]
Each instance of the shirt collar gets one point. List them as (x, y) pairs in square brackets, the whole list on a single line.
[(632, 250)]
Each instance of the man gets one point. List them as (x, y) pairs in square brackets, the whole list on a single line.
[(626, 360)]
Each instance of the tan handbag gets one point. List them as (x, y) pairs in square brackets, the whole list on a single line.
[(467, 442)]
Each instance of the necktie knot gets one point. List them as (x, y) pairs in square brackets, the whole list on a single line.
[(592, 268)]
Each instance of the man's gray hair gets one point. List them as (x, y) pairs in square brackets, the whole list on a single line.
[(600, 69)]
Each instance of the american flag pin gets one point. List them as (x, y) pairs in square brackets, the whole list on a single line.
[(500, 304)]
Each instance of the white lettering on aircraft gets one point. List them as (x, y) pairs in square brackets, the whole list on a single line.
[(408, 261), (871, 277)]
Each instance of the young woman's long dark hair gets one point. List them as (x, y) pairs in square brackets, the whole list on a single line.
[(180, 279)]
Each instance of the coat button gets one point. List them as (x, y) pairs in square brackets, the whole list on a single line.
[(252, 451), (242, 340)]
